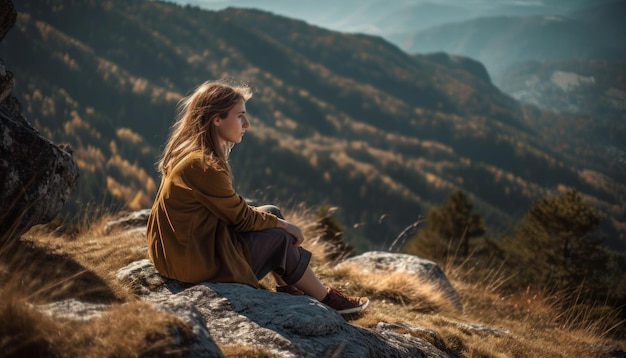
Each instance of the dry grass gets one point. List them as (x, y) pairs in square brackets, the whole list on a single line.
[(125, 330), (43, 268), (238, 350)]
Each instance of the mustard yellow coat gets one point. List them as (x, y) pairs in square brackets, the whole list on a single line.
[(194, 225)]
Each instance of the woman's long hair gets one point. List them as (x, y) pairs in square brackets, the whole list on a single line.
[(193, 132)]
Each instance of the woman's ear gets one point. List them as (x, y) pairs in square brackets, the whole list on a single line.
[(216, 120)]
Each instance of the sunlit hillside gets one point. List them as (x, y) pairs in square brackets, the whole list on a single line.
[(347, 120)]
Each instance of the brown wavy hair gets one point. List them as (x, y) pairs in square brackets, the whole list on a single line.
[(192, 131)]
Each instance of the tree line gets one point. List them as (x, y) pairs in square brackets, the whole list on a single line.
[(555, 247)]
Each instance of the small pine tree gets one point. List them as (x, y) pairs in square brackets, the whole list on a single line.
[(448, 227), (332, 233), (553, 243)]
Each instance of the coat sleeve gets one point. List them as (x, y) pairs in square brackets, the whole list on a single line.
[(213, 188)]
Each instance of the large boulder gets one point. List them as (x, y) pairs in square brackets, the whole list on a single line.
[(424, 270), (37, 177), (284, 325)]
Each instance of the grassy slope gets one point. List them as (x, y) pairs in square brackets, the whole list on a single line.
[(43, 268)]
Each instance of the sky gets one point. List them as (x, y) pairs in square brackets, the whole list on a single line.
[(377, 16)]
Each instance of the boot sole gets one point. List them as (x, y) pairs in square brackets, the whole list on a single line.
[(354, 309)]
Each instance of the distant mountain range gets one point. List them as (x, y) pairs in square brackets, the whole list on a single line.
[(347, 120), (379, 17), (499, 33), (500, 42)]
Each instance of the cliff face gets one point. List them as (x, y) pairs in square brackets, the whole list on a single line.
[(37, 177)]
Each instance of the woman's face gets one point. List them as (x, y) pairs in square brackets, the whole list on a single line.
[(232, 128)]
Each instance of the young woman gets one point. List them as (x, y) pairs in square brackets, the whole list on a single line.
[(200, 229)]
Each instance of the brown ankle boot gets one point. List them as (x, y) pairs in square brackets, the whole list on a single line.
[(343, 304)]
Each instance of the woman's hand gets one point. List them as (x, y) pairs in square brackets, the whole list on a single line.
[(293, 230)]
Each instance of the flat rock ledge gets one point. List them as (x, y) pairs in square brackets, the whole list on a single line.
[(285, 325)]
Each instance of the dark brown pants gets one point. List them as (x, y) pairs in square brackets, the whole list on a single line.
[(274, 250)]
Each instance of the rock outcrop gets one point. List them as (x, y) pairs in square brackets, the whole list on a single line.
[(289, 326), (37, 177), (136, 220), (229, 314), (424, 270), (278, 324), (224, 314)]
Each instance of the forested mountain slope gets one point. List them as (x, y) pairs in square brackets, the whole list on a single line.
[(347, 120)]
